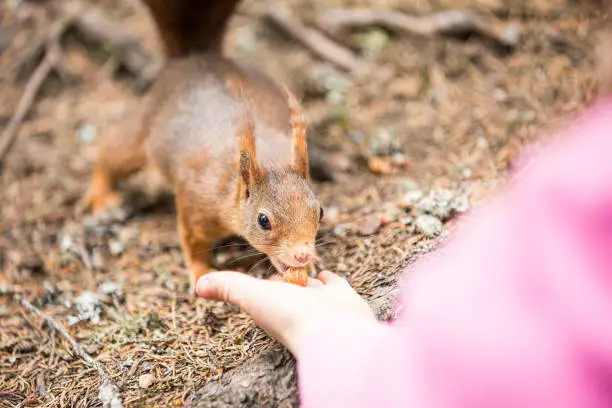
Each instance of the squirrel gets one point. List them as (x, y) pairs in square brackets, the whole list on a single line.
[(229, 139)]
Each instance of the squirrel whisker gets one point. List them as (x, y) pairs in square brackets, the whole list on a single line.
[(267, 258)]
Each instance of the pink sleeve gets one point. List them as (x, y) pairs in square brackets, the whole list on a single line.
[(515, 311)]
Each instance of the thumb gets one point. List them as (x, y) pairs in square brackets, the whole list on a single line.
[(229, 287)]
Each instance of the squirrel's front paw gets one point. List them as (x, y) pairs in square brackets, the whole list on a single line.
[(103, 209), (311, 269), (98, 203)]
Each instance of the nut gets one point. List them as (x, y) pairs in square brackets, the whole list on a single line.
[(297, 276)]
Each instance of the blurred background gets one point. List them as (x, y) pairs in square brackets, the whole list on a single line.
[(417, 111)]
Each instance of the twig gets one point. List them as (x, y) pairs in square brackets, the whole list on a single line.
[(50, 61), (34, 49), (83, 252), (85, 256), (318, 43), (94, 24), (338, 19), (108, 392)]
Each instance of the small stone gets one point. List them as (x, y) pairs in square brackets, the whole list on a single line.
[(406, 220), (429, 225), (87, 133), (511, 36), (67, 244), (340, 231), (88, 307), (146, 380), (331, 216), (482, 143), (442, 204), (410, 198), (499, 95), (369, 225), (400, 160), (109, 288), (116, 248)]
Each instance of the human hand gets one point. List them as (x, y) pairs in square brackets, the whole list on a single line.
[(288, 312)]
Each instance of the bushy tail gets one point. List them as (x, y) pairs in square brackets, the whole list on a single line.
[(191, 26)]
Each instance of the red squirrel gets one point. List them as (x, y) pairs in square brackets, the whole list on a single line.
[(229, 139)]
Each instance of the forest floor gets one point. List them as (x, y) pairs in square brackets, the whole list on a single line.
[(427, 131)]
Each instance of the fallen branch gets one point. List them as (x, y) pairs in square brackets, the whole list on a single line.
[(108, 392), (50, 61), (314, 40), (95, 25), (336, 20)]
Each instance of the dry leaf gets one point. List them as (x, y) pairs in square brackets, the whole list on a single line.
[(381, 165)]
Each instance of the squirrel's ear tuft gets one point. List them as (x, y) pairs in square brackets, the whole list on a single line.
[(250, 172), (298, 134)]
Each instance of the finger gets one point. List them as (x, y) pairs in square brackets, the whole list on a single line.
[(276, 277), (230, 287), (330, 278), (314, 283)]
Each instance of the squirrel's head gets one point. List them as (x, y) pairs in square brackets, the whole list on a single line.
[(279, 213)]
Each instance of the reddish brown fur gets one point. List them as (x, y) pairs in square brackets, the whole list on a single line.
[(187, 26), (220, 133), (298, 127)]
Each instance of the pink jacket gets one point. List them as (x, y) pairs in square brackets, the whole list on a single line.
[(515, 311)]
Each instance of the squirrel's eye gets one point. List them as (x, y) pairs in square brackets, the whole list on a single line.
[(264, 222), (321, 213)]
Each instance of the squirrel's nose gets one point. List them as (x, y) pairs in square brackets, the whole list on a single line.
[(302, 255), (302, 258)]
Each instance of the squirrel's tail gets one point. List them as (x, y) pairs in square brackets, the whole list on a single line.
[(188, 26)]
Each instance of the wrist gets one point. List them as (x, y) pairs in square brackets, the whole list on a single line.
[(299, 339)]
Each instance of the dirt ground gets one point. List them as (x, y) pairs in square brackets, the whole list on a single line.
[(427, 133)]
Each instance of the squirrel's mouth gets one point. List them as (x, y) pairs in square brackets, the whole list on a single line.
[(280, 266)]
